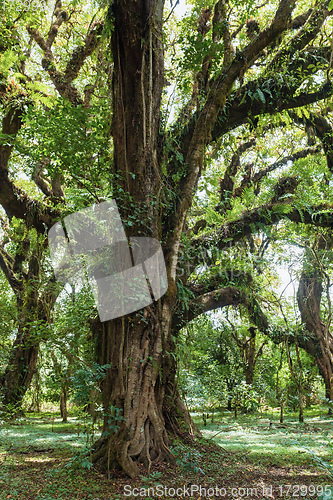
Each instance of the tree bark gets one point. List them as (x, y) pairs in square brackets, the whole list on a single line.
[(63, 403), (320, 344), (139, 388), (32, 317), (19, 372), (133, 391)]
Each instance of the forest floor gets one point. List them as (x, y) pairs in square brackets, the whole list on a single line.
[(252, 457)]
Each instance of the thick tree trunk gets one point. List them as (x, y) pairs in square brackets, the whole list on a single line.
[(139, 388), (19, 372), (23, 358), (133, 392), (32, 315), (320, 344)]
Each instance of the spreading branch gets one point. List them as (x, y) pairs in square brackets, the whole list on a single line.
[(207, 302), (266, 215), (258, 176), (63, 81)]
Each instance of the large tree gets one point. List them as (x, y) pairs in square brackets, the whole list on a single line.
[(314, 285), (152, 168)]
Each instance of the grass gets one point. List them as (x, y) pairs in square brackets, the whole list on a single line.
[(42, 458), (264, 441)]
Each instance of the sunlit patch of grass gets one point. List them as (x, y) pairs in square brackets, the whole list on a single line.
[(262, 440), (39, 459), (29, 436)]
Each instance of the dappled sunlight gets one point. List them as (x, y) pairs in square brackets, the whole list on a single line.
[(39, 460), (291, 445)]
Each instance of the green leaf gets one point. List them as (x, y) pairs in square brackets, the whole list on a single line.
[(306, 113), (7, 60), (261, 96), (330, 5)]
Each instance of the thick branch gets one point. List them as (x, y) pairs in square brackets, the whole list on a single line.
[(308, 32), (228, 181), (266, 215), (80, 54), (220, 17), (216, 100), (242, 107), (61, 16), (322, 129), (207, 302), (63, 81)]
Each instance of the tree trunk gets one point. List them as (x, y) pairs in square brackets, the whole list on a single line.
[(63, 404), (278, 390), (35, 403), (281, 412), (33, 316), (320, 344), (23, 359), (133, 392), (139, 395), (19, 372), (250, 356)]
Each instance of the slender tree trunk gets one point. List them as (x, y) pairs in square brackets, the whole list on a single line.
[(278, 390), (300, 384), (281, 412), (250, 357), (35, 403), (63, 404)]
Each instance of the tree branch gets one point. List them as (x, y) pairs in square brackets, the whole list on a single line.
[(228, 181), (80, 54), (308, 32), (207, 302), (6, 264), (240, 107), (266, 215), (15, 201), (201, 134), (63, 81), (256, 178)]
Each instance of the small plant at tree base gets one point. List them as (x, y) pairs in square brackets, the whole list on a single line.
[(152, 478), (79, 461), (186, 458)]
